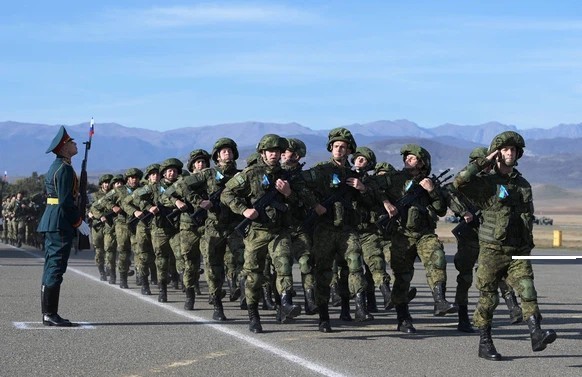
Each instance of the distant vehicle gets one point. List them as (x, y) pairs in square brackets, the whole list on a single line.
[(452, 219), (543, 220)]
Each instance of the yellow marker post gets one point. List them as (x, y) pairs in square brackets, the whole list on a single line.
[(557, 238)]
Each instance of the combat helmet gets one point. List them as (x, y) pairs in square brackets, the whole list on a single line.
[(105, 178), (272, 141), (133, 172), (224, 142), (117, 178), (368, 154), (171, 163), (383, 167), (151, 168), (419, 152), (297, 146), (341, 134), (198, 154), (479, 152), (508, 138)]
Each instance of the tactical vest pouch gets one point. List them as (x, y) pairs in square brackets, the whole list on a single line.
[(413, 219)]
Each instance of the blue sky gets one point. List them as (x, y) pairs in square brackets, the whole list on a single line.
[(169, 64)]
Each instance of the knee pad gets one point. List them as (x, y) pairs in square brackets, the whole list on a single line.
[(305, 265), (528, 291), (354, 262), (283, 266), (439, 260)]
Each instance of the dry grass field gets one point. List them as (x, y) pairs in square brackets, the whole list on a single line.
[(564, 206)]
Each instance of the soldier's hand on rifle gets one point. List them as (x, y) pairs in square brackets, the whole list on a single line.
[(427, 184), (103, 219), (181, 205), (206, 204), (283, 187), (319, 209), (116, 209), (138, 214), (154, 209), (468, 216), (251, 213), (390, 208), (90, 215), (356, 183)]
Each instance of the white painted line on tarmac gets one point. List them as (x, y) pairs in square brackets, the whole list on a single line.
[(550, 257), (252, 340)]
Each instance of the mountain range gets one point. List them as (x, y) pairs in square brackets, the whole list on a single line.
[(549, 157)]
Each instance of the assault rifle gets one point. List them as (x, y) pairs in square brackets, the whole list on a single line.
[(83, 241), (386, 223), (200, 215), (462, 227)]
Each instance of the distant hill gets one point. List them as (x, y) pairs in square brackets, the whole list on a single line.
[(548, 158)]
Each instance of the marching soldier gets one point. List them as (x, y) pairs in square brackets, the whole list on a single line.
[(98, 228)]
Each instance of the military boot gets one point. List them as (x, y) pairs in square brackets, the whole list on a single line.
[(268, 303), (324, 322), (310, 305), (163, 295), (515, 313), (362, 313), (112, 276), (334, 297), (197, 288), (539, 338), (288, 309), (404, 319), (486, 348), (371, 299), (411, 294), (49, 299), (190, 298), (102, 273), (138, 279), (218, 314), (464, 323), (387, 295), (255, 319), (243, 298), (441, 305), (123, 280), (345, 310), (145, 286), (233, 290)]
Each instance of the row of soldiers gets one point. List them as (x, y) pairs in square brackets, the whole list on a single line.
[(20, 215)]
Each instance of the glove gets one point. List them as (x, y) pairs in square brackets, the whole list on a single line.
[(84, 228)]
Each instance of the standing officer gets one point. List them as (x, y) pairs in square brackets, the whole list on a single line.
[(505, 199), (58, 223)]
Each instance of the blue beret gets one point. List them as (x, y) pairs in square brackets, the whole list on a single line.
[(59, 140)]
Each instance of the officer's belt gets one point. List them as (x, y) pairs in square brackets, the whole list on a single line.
[(52, 201)]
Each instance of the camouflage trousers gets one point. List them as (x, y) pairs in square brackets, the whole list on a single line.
[(343, 243), (166, 242), (404, 249), (465, 260), (125, 244), (301, 251), (190, 249), (494, 263), (98, 238), (258, 243), (373, 252), (144, 251), (110, 246), (215, 244)]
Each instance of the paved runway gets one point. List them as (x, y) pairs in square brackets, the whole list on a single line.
[(123, 333)]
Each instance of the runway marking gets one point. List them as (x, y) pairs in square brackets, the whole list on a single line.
[(547, 257), (40, 326), (252, 340)]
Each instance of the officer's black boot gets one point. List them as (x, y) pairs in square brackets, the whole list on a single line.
[(345, 309), (163, 295), (334, 297), (123, 280), (515, 313), (539, 338), (49, 298), (145, 285), (243, 298), (190, 298), (464, 323), (362, 313), (310, 305), (102, 273), (411, 294), (441, 305), (268, 303), (404, 319), (486, 348), (288, 309), (255, 319), (387, 295), (218, 314), (324, 322)]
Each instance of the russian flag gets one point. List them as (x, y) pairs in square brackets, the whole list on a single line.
[(92, 128)]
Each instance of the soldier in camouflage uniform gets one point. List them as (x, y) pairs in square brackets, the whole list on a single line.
[(268, 231), (505, 199), (468, 251), (415, 234), (19, 208), (125, 235), (338, 188), (144, 252), (98, 228)]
